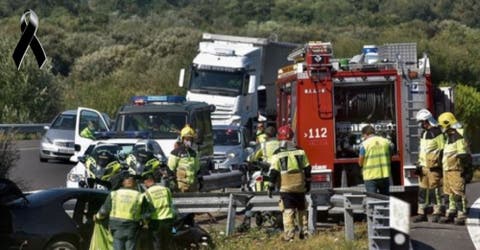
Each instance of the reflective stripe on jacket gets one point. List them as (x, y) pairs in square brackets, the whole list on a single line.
[(431, 146), (160, 198), (454, 146), (266, 150), (376, 163), (185, 163), (290, 164), (126, 204)]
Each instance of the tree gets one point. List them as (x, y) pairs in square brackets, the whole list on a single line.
[(8, 153)]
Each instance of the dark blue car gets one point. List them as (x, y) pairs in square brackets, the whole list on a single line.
[(62, 219)]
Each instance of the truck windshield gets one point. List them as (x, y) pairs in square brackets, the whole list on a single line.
[(226, 137), (217, 82), (165, 125)]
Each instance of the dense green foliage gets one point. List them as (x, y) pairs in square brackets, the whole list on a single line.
[(8, 153), (104, 51)]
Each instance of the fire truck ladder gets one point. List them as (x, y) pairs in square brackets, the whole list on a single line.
[(414, 96)]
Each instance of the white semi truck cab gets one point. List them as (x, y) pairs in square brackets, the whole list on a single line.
[(229, 71)]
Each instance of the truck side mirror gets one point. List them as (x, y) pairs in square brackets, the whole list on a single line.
[(252, 84), (181, 78)]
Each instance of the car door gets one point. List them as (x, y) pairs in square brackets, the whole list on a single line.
[(84, 115)]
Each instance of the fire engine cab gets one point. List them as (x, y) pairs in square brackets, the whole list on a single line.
[(328, 101)]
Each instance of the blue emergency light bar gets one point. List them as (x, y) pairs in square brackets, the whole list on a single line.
[(140, 100)]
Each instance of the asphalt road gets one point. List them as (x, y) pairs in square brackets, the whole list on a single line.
[(31, 174)]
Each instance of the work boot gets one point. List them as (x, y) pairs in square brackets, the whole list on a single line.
[(447, 219), (420, 218), (435, 218), (304, 235), (287, 239)]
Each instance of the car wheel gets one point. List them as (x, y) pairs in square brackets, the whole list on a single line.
[(43, 159), (60, 245)]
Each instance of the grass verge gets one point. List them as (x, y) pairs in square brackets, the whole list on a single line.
[(332, 238)]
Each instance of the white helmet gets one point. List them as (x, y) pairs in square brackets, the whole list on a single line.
[(425, 115)]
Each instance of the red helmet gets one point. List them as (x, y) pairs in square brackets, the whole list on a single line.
[(285, 133)]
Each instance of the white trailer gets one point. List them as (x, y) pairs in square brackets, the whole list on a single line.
[(237, 75)]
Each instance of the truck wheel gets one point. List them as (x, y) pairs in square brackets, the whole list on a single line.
[(60, 245)]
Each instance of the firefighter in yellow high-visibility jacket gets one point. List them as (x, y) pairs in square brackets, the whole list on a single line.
[(184, 162), (429, 166), (455, 157), (290, 167)]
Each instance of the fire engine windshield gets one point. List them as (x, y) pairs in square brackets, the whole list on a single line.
[(165, 125), (221, 82)]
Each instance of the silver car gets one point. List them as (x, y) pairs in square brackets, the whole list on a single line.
[(58, 141), (231, 146)]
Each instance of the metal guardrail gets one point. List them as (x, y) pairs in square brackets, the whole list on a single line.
[(24, 128), (374, 206)]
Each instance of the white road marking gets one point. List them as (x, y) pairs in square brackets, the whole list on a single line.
[(473, 223), (29, 149)]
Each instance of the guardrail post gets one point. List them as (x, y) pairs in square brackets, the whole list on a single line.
[(232, 210), (349, 226)]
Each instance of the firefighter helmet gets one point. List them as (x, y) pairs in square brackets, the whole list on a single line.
[(187, 131), (285, 133), (447, 119), (425, 115)]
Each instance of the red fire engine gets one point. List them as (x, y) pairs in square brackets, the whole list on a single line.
[(328, 101)]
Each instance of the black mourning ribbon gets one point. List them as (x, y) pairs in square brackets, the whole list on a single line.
[(29, 26)]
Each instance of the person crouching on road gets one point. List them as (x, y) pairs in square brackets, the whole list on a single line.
[(455, 157), (124, 208), (375, 160), (290, 167), (184, 162), (160, 205), (429, 166)]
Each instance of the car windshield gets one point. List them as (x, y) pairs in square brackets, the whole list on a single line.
[(66, 122), (226, 137), (165, 125)]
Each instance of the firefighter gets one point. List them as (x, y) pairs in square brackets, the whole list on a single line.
[(160, 206), (290, 167), (455, 157), (267, 147), (184, 162), (124, 209), (374, 159), (89, 130), (260, 134), (429, 166)]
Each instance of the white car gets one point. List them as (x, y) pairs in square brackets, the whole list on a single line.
[(77, 177), (230, 145)]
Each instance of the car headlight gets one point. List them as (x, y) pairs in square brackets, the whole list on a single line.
[(74, 177), (231, 155)]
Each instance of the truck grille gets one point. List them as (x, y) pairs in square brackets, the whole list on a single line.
[(222, 112), (219, 158)]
